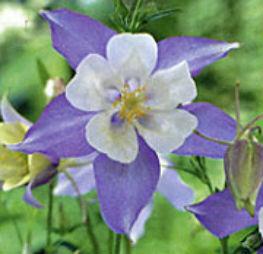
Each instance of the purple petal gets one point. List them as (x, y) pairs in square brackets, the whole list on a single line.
[(198, 52), (125, 189), (10, 115), (171, 186), (75, 35), (138, 227), (83, 176), (220, 216), (60, 132), (260, 251), (29, 197), (212, 122), (43, 178)]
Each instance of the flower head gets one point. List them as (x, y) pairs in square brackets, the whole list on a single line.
[(17, 168), (129, 98), (119, 97)]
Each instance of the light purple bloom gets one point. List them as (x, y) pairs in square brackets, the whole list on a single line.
[(64, 128), (219, 215), (170, 186), (10, 115), (141, 105)]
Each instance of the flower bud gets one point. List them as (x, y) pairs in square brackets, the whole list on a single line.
[(54, 87), (244, 171), (17, 168)]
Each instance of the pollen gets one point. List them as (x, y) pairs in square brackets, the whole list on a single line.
[(132, 103)]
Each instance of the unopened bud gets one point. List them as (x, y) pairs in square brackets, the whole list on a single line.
[(54, 87), (244, 172)]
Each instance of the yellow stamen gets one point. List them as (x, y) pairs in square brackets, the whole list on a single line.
[(131, 103)]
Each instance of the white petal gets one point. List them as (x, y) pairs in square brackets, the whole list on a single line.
[(132, 55), (118, 141), (170, 87), (260, 219), (91, 88), (165, 131), (138, 228)]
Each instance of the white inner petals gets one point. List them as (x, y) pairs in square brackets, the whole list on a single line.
[(92, 87), (118, 141), (260, 219), (132, 54), (126, 96), (165, 131), (170, 87)]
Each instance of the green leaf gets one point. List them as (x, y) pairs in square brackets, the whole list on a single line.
[(160, 14)]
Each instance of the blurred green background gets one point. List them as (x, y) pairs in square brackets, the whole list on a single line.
[(25, 38)]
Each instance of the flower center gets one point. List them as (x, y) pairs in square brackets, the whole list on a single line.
[(131, 103)]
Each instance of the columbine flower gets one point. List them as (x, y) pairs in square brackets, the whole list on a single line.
[(170, 186), (124, 189), (129, 99), (18, 169), (218, 213)]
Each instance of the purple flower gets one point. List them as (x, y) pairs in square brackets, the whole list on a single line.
[(18, 169), (131, 69), (169, 185), (127, 99), (219, 215)]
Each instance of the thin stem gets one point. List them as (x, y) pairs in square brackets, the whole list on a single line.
[(202, 172), (250, 125), (117, 4), (209, 184), (117, 247), (186, 170), (135, 14), (49, 217), (224, 245), (204, 180), (237, 106), (84, 212), (128, 245), (18, 232), (203, 176), (110, 241), (221, 142)]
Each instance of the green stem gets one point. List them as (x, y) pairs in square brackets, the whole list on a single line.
[(18, 232), (224, 245), (237, 106), (49, 217), (202, 169), (250, 125), (128, 245), (110, 241), (85, 217), (117, 247), (209, 184), (221, 142), (135, 14)]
